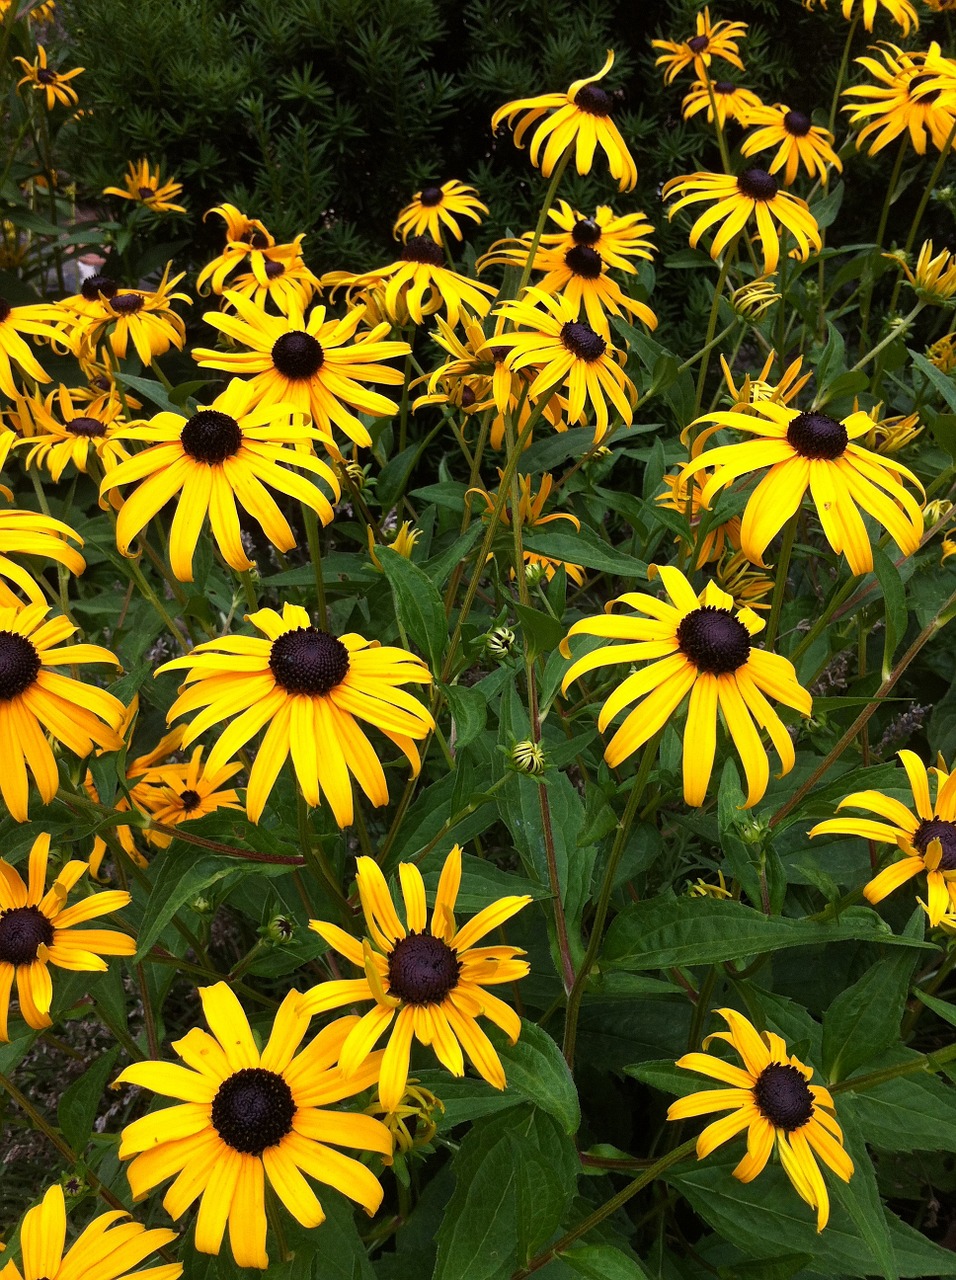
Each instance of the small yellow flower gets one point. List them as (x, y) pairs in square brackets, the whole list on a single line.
[(799, 141), (679, 496), (733, 102), (934, 279), (701, 889), (143, 186), (711, 40), (435, 209), (751, 301), (942, 353), (753, 391), (403, 542), (54, 84), (528, 757), (893, 433), (412, 1123)]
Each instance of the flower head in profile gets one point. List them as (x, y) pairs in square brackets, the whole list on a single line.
[(753, 195), (31, 534), (732, 101), (54, 85), (906, 101), (753, 389), (118, 316), (934, 277), (427, 980), (710, 40), (229, 450), (37, 930), (771, 1097), (36, 319), (925, 833), (244, 236), (892, 433), (816, 452), (699, 649), (34, 699), (144, 186), (580, 118), (312, 689), (531, 516), (436, 209), (412, 1123), (799, 142), (106, 1249), (246, 1116), (59, 431)]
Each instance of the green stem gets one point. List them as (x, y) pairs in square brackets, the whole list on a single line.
[(551, 192), (880, 232), (315, 551), (726, 264), (249, 589), (841, 74), (894, 333), (780, 581), (925, 1062)]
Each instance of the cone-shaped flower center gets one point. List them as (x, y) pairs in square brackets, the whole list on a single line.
[(145, 192), (422, 969), (593, 100), (581, 340), (943, 831), (713, 640), (308, 660), (210, 436), (586, 231), (816, 435), (797, 124), (126, 303), (468, 397), (90, 428), (191, 799), (783, 1097), (431, 196), (916, 84), (19, 664), (254, 237), (98, 286), (697, 44), (584, 261), (22, 930), (757, 184), (297, 355), (724, 86), (274, 270), (423, 249), (46, 76), (253, 1110)]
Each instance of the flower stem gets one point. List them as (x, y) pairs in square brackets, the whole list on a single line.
[(726, 264), (551, 192), (894, 333), (315, 551), (780, 582)]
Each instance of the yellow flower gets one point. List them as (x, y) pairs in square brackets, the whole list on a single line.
[(247, 1115), (435, 209), (143, 186), (701, 889), (903, 102), (751, 301), (53, 84), (106, 1249), (942, 353), (901, 11), (696, 646), (310, 688), (59, 432), (934, 279), (755, 194), (28, 533), (679, 496), (403, 543), (743, 581), (229, 450), (278, 274), (711, 40), (38, 319), (183, 792), (616, 237), (36, 930), (772, 1099), (892, 433), (798, 139), (429, 979), (412, 1123), (243, 237), (752, 390), (926, 837), (733, 102), (143, 316), (581, 119), (530, 515)]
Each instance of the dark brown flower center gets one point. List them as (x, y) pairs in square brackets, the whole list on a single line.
[(431, 196), (586, 231), (423, 249), (127, 303), (19, 664), (145, 192), (713, 640), (697, 44), (191, 799), (816, 435), (211, 437), (46, 76), (91, 428), (724, 86), (758, 184), (255, 238), (783, 1097), (98, 287), (584, 261), (273, 270), (581, 340), (308, 660), (422, 969), (930, 95), (100, 383), (593, 100), (297, 355), (22, 930), (253, 1110), (943, 831), (498, 354), (468, 397), (797, 124)]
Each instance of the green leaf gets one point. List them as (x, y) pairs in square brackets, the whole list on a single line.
[(781, 1268), (469, 712), (584, 548), (827, 207), (944, 384), (916, 1112), (417, 603), (180, 877), (861, 1199), (894, 605), (440, 566), (537, 1071), (602, 1262), (79, 1104), (542, 633), (662, 932), (154, 391), (942, 1008)]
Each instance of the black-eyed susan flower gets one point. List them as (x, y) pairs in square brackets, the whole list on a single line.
[(412, 1123), (772, 1098), (568, 354), (754, 389), (710, 40), (934, 277), (616, 237), (580, 118), (752, 300), (54, 85), (942, 353), (435, 209), (901, 11), (313, 365), (732, 101), (699, 647), (927, 837), (144, 186), (181, 792), (531, 516), (247, 1116), (311, 689), (27, 533), (902, 102), (144, 317), (278, 275), (243, 237), (59, 431), (816, 452), (680, 496), (34, 699), (38, 319), (402, 542), (428, 979), (37, 930), (734, 201), (109, 1248), (892, 433), (225, 452), (799, 142)]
